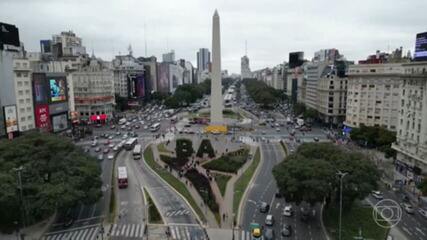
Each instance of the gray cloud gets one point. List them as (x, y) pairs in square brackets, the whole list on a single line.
[(272, 28)]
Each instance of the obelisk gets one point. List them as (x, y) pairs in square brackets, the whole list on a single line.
[(216, 86)]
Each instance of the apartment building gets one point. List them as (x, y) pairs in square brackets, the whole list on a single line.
[(373, 95), (411, 142), (23, 93)]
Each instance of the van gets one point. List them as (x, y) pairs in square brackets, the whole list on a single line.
[(269, 220)]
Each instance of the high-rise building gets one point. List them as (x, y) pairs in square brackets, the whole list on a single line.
[(169, 57), (92, 92), (245, 70), (150, 64), (203, 59), (411, 138)]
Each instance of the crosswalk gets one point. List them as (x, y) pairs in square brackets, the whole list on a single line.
[(187, 232), (247, 235), (89, 233), (127, 230), (175, 213)]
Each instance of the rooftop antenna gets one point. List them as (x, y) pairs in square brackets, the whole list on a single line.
[(145, 39), (246, 48)]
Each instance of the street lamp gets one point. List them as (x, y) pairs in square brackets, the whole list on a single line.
[(18, 171), (341, 175)]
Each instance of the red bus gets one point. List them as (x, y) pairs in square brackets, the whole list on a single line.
[(122, 177)]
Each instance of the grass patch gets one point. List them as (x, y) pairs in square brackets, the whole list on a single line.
[(153, 213), (162, 148), (231, 162), (169, 178), (357, 217), (175, 163), (243, 182), (226, 112), (221, 181), (284, 147)]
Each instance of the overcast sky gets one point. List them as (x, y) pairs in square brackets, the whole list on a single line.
[(272, 28)]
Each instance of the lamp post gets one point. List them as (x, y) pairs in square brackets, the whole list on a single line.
[(18, 171), (341, 175)]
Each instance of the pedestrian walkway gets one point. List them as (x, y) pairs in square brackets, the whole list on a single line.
[(88, 233), (174, 213), (125, 231), (186, 232), (246, 235)]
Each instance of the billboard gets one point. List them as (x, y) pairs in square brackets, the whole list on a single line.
[(46, 46), (39, 88), (11, 119), (9, 34), (140, 85), (42, 116), (58, 89), (421, 47), (296, 59), (58, 108), (163, 78), (60, 122)]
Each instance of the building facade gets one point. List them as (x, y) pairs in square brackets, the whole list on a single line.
[(411, 139), (203, 59), (93, 92), (169, 57), (126, 68), (373, 95), (245, 70), (23, 93)]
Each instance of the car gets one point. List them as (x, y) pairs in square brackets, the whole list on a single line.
[(94, 143), (256, 230), (110, 156), (111, 145), (264, 207), (316, 139), (408, 208), (106, 150), (113, 127), (269, 234), (116, 148), (377, 195), (423, 212), (98, 149), (269, 220), (288, 211), (263, 132), (277, 129), (286, 230), (125, 136), (136, 126), (110, 137), (123, 127), (117, 133), (145, 127), (100, 157)]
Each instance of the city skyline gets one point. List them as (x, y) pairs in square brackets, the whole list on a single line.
[(272, 29)]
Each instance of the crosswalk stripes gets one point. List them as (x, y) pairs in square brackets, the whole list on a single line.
[(181, 232), (74, 234), (127, 230), (246, 235), (180, 212)]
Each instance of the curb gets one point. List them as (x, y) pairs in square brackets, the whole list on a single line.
[(147, 207), (322, 224), (245, 194), (173, 189)]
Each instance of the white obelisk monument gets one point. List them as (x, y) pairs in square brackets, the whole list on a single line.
[(217, 120)]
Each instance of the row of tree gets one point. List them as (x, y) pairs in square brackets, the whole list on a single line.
[(261, 93), (55, 174), (374, 137), (188, 93), (308, 113), (310, 174)]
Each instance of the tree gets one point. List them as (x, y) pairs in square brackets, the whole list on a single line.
[(57, 175), (375, 137), (423, 186), (310, 174), (184, 148)]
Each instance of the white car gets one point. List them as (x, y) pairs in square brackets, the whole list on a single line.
[(408, 208), (110, 156), (287, 211), (269, 220), (377, 195)]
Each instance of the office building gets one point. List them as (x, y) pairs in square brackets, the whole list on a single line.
[(245, 70), (203, 59), (169, 57), (150, 66)]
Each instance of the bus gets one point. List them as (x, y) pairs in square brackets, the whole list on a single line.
[(122, 177), (130, 143), (155, 127), (137, 152)]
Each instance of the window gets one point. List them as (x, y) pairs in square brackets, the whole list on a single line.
[(18, 74), (372, 70)]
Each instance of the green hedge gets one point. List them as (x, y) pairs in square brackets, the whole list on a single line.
[(230, 162)]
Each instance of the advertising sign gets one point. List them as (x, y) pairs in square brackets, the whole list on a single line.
[(60, 122), (46, 46), (39, 88), (42, 116), (9, 34), (58, 108), (421, 47), (163, 77), (58, 89), (140, 85), (11, 118)]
